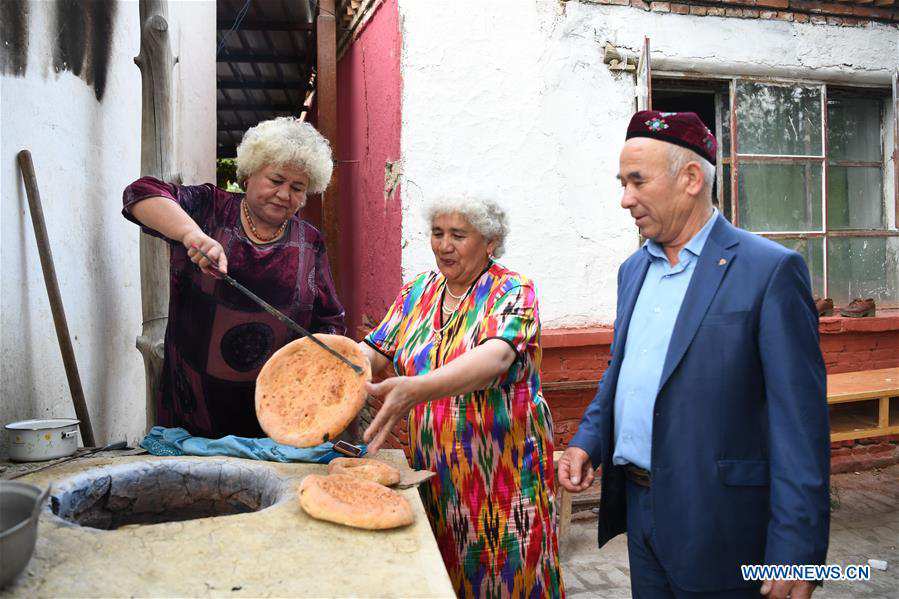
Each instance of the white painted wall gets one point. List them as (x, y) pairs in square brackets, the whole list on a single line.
[(85, 152), (510, 99)]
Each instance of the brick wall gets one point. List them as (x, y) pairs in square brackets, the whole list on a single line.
[(849, 13), (852, 344), (575, 359)]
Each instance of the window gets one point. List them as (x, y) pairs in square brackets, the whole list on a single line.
[(805, 165)]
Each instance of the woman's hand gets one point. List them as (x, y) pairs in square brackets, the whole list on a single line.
[(196, 238), (400, 395)]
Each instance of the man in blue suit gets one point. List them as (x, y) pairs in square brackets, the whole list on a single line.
[(710, 423)]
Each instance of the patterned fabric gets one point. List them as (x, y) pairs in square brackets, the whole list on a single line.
[(491, 503), (217, 339)]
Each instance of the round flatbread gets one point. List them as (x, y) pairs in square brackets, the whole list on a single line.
[(374, 470), (306, 396), (353, 501)]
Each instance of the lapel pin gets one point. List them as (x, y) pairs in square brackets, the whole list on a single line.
[(722, 262)]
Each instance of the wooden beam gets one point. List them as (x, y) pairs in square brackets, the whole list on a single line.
[(263, 25), (262, 84), (260, 107), (580, 385), (251, 57), (863, 433), (326, 101), (239, 77), (157, 159), (843, 10), (57, 309), (360, 16), (883, 412)]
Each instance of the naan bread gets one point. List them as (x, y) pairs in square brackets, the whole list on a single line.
[(354, 502), (306, 396), (375, 470)]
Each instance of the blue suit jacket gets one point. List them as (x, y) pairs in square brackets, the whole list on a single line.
[(740, 439)]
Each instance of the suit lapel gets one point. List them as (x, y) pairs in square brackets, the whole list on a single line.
[(629, 291), (629, 295), (715, 259)]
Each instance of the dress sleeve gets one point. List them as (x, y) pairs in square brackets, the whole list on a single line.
[(327, 311), (384, 338), (514, 318), (199, 201)]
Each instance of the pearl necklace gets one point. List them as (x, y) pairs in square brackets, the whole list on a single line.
[(278, 233), (450, 315), (453, 295)]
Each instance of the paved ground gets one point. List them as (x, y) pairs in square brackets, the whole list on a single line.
[(864, 524)]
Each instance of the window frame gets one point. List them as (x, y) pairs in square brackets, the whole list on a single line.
[(721, 84)]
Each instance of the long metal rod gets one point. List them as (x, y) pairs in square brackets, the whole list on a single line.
[(830, 233), (277, 313), (110, 447), (735, 160), (779, 158), (55, 297), (825, 149)]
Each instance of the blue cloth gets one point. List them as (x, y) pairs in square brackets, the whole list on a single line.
[(653, 321), (648, 577), (177, 441), (740, 433)]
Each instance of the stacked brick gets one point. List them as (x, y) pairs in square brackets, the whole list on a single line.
[(864, 454), (846, 13), (574, 360)]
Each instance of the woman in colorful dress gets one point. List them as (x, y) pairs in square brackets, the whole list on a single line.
[(216, 339), (465, 342)]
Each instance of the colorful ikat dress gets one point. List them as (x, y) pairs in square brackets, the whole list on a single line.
[(491, 503)]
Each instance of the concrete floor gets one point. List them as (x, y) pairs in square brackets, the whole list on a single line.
[(864, 524)]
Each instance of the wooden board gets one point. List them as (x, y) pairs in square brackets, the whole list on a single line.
[(867, 384), (564, 504), (879, 388), (864, 434)]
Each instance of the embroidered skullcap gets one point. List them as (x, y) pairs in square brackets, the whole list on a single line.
[(684, 129)]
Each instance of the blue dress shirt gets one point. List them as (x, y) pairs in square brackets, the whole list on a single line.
[(649, 333)]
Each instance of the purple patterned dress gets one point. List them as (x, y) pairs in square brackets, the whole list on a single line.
[(217, 339)]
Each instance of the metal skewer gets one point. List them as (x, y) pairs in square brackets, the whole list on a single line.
[(276, 313)]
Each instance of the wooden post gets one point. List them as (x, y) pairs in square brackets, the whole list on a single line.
[(55, 297), (157, 159), (326, 100), (563, 505)]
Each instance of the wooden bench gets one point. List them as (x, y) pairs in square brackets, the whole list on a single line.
[(563, 504), (863, 404)]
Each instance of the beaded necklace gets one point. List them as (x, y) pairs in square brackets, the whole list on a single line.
[(263, 239)]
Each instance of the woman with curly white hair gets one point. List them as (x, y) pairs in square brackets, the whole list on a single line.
[(217, 340), (465, 342)]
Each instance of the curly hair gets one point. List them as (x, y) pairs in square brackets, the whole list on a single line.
[(286, 141), (486, 216)]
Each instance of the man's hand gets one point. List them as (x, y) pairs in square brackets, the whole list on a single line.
[(575, 470), (781, 589)]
